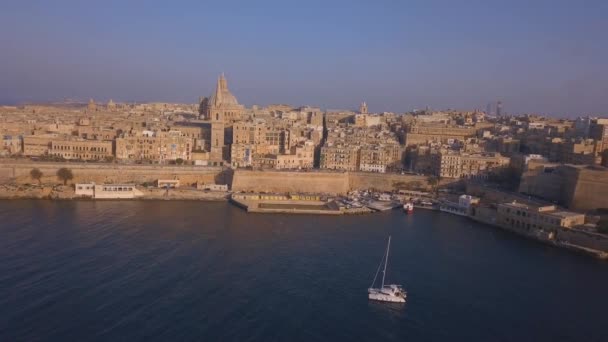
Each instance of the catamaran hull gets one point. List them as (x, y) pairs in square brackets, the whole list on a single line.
[(386, 298)]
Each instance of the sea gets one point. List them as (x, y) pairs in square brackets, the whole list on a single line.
[(208, 271)]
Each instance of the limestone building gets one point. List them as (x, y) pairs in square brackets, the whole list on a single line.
[(454, 164), (363, 108), (224, 110), (532, 217), (155, 147), (81, 149), (340, 157)]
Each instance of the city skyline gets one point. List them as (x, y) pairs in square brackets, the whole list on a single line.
[(544, 58)]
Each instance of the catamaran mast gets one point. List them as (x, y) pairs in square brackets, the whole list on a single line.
[(386, 261)]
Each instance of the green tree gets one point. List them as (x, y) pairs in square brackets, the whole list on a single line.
[(179, 161), (433, 181), (36, 174), (65, 175)]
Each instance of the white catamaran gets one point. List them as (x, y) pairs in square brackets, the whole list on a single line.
[(386, 293)]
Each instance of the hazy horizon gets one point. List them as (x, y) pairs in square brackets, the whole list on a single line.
[(545, 57)]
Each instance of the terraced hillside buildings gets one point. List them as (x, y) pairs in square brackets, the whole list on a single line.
[(220, 131)]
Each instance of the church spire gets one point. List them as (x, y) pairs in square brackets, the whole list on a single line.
[(223, 82), (219, 89), (363, 108)]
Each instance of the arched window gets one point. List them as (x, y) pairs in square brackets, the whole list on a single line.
[(217, 116)]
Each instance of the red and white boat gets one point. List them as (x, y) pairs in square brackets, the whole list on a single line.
[(408, 207)]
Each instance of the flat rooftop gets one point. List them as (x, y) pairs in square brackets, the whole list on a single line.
[(564, 214)]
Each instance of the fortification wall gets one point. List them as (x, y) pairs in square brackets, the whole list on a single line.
[(112, 173), (283, 181), (588, 189), (585, 239), (320, 182), (383, 182)]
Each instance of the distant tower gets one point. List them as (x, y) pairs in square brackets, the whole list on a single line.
[(92, 106), (224, 110), (217, 121), (111, 105), (203, 107), (363, 108), (499, 108)]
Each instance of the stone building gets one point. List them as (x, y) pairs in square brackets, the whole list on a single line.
[(417, 133), (544, 217), (241, 155), (573, 186), (363, 108), (158, 147), (224, 111), (454, 164), (300, 157), (111, 106), (92, 106), (340, 157), (380, 158), (12, 145), (81, 149), (38, 145)]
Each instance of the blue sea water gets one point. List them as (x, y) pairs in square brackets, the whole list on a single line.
[(196, 271)]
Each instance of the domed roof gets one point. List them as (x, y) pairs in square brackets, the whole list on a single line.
[(222, 96)]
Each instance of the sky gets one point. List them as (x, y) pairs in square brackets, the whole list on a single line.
[(536, 56)]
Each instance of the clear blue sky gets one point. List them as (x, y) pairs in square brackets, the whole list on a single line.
[(544, 56)]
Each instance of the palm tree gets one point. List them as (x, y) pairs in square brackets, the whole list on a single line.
[(65, 175), (36, 174)]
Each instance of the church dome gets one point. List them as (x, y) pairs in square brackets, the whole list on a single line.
[(222, 96)]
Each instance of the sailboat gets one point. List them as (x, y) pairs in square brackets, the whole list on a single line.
[(386, 293)]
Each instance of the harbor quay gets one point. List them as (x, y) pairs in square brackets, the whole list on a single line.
[(346, 193)]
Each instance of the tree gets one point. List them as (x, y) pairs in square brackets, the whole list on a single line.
[(179, 161), (433, 181), (36, 174), (65, 175)]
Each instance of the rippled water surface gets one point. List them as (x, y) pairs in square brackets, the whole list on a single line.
[(180, 271)]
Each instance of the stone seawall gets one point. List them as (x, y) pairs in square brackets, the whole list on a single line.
[(383, 181), (335, 183), (283, 182), (19, 172), (241, 180)]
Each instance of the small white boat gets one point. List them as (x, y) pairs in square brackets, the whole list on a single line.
[(386, 293)]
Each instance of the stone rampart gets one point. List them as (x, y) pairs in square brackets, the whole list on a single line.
[(320, 181), (383, 181), (283, 181), (19, 172), (586, 188)]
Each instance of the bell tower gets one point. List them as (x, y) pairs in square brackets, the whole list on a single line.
[(217, 122), (363, 108)]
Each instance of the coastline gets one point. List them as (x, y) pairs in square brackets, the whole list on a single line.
[(66, 193)]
